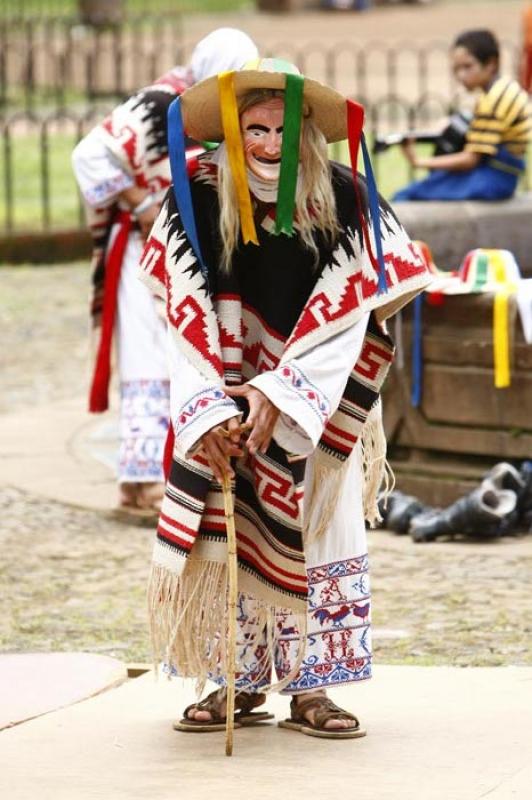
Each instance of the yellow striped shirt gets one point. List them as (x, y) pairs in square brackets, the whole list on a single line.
[(503, 116)]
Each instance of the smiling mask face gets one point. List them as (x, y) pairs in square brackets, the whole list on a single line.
[(262, 131)]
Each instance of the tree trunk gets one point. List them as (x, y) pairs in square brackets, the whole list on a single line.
[(101, 12)]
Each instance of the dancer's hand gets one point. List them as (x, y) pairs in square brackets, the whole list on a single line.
[(262, 416), (218, 446), (146, 220), (137, 196)]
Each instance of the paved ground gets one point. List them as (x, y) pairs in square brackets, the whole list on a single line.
[(433, 734), (75, 577), (35, 684)]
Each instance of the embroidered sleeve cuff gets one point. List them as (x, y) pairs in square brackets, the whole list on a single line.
[(101, 176), (205, 410), (106, 192), (304, 408)]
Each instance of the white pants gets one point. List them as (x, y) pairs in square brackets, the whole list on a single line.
[(338, 641), (143, 373)]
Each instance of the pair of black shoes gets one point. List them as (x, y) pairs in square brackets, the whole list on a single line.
[(501, 504)]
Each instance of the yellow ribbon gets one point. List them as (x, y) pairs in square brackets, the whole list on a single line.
[(501, 344), (501, 337), (235, 154)]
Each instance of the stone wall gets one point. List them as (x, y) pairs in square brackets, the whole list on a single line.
[(451, 229)]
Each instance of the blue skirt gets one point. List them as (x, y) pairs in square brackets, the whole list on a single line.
[(493, 179)]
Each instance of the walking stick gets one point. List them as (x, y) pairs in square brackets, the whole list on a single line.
[(232, 591), (231, 613)]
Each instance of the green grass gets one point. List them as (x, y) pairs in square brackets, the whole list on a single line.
[(64, 210), (28, 185), (391, 170), (14, 8)]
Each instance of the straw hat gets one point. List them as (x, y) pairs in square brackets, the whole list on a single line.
[(201, 103)]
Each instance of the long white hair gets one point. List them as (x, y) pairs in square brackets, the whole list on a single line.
[(315, 202)]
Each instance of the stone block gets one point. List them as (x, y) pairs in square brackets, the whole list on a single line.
[(451, 229)]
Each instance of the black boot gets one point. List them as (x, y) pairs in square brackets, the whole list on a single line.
[(524, 498), (504, 476), (480, 512), (398, 509)]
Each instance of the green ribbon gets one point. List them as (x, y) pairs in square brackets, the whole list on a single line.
[(286, 194), (482, 272)]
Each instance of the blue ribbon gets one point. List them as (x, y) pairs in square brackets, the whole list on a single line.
[(180, 181), (374, 209), (417, 352)]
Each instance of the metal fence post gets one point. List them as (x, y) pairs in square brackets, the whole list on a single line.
[(45, 174), (8, 178)]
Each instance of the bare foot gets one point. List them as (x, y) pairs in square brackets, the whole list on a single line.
[(217, 703), (201, 715), (331, 724), (150, 495), (127, 495)]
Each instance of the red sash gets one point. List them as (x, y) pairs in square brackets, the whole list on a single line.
[(99, 391)]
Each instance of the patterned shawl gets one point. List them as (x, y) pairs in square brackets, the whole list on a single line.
[(135, 133), (274, 306)]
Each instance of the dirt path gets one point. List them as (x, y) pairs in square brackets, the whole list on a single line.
[(410, 24), (326, 45), (44, 323), (75, 580)]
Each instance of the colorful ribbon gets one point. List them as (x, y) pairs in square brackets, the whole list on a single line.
[(355, 136), (286, 195), (501, 343), (501, 336), (235, 154), (481, 272), (488, 268), (181, 185)]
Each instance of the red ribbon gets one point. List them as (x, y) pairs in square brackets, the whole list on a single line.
[(355, 124), (99, 391), (168, 451)]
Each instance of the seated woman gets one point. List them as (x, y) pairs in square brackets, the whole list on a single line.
[(489, 166)]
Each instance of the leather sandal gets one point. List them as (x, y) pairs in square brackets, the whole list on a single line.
[(325, 710), (245, 702)]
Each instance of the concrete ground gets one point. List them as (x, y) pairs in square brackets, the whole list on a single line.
[(433, 734), (32, 684), (63, 451)]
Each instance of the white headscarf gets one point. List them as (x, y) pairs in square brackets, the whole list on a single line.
[(222, 50)]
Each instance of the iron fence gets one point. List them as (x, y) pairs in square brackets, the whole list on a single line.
[(38, 190), (15, 11), (56, 82), (55, 60)]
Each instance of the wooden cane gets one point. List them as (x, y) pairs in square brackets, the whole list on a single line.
[(231, 613), (232, 593)]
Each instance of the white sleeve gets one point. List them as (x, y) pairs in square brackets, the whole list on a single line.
[(100, 176), (307, 390), (196, 404)]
